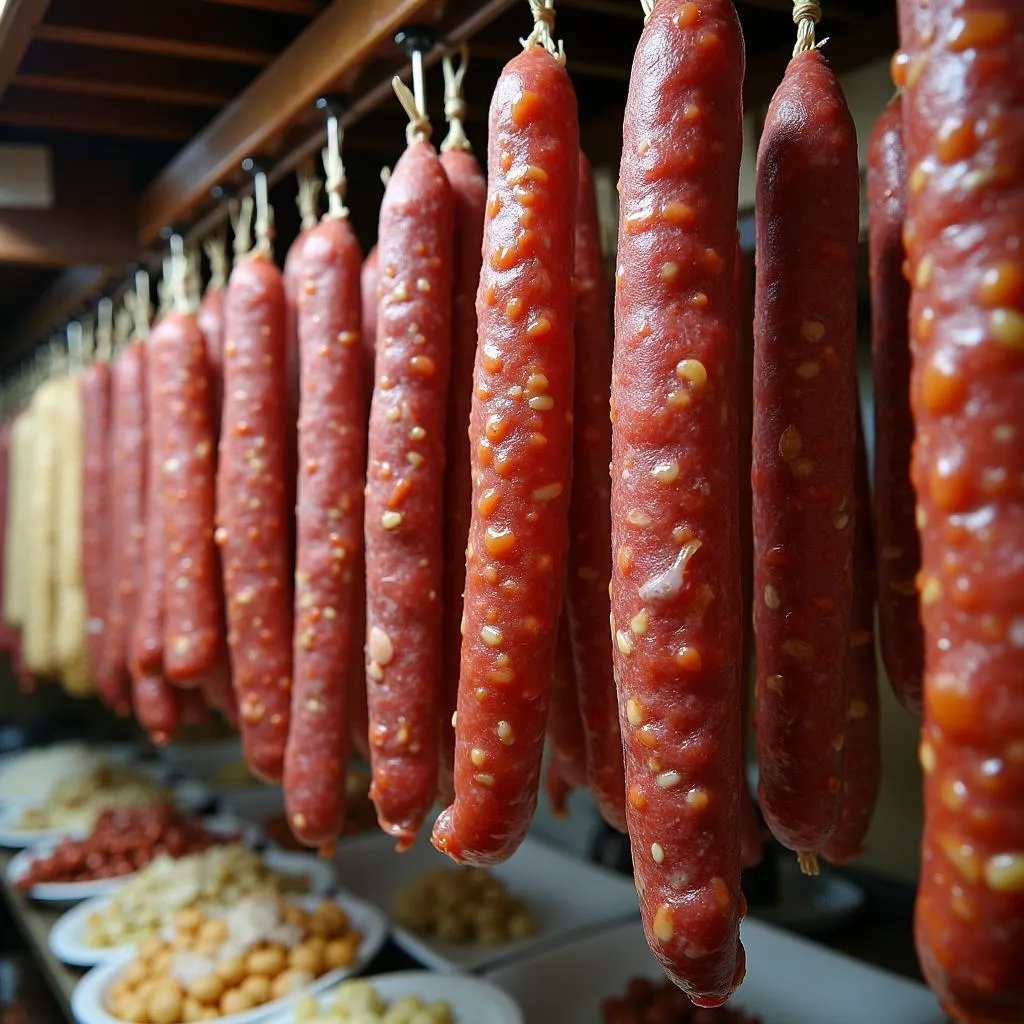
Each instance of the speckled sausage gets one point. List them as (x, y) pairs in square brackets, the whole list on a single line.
[(193, 626), (405, 490), (803, 449), (469, 195), (210, 319), (253, 515), (862, 762), (368, 280), (896, 541), (146, 643), (964, 123), (329, 568), (590, 533), (96, 500), (127, 523), (567, 760), (675, 536), (521, 445)]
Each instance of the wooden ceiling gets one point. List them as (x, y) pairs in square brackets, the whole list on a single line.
[(147, 105)]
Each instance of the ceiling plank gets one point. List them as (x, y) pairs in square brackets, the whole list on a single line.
[(344, 35), (92, 218), (302, 8), (18, 21), (99, 115), (121, 90), (67, 296)]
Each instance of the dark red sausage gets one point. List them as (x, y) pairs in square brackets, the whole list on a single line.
[(803, 448), (590, 535), (567, 760), (964, 130), (96, 498), (292, 263), (157, 706), (127, 521), (862, 762), (896, 542), (8, 635), (368, 287), (521, 445), (253, 514), (751, 846), (469, 194), (675, 491), (195, 710), (405, 490), (186, 459), (329, 570), (211, 322)]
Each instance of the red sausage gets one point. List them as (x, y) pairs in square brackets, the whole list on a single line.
[(521, 444), (368, 288), (898, 549), (210, 319), (405, 489), (253, 515), (567, 763), (964, 130), (329, 570), (862, 764), (803, 447), (292, 264), (195, 710), (675, 535), (127, 522), (751, 845), (193, 627), (590, 543), (96, 498), (157, 705), (469, 194)]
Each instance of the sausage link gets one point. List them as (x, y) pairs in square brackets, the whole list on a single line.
[(805, 398), (8, 633), (469, 196), (674, 500), (127, 522), (195, 709), (405, 489), (368, 281), (590, 534), (862, 762), (253, 515), (964, 133), (521, 445), (96, 498), (751, 845), (329, 570), (185, 459), (210, 319), (157, 705), (898, 549), (567, 760)]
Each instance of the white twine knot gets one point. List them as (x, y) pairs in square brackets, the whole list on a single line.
[(454, 101), (806, 14), (418, 129), (543, 33)]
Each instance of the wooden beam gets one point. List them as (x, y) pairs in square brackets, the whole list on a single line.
[(302, 8), (345, 34), (191, 29), (92, 219), (98, 116), (18, 22), (121, 90), (67, 296)]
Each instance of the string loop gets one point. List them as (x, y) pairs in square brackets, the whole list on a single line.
[(418, 129), (308, 199), (455, 101), (543, 33), (334, 169)]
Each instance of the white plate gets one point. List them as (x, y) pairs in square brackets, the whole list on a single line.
[(563, 895), (190, 795), (72, 892), (87, 998), (789, 981), (109, 753), (471, 1000), (67, 936)]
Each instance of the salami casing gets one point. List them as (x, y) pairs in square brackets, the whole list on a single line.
[(521, 450), (675, 491), (805, 397), (964, 124)]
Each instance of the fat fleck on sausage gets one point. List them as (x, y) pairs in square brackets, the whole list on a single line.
[(675, 491)]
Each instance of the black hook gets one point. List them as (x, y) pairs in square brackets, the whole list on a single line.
[(416, 39)]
